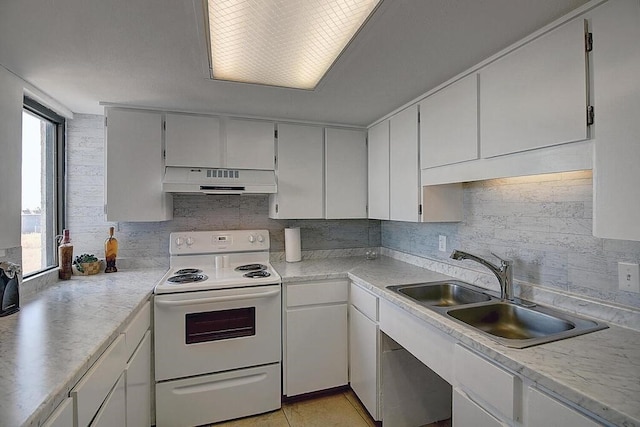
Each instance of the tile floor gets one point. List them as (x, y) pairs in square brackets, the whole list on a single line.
[(338, 409)]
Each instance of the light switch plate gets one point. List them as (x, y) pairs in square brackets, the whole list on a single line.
[(442, 243), (628, 277)]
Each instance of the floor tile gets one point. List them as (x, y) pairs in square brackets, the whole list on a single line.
[(270, 419), (355, 402), (334, 410)]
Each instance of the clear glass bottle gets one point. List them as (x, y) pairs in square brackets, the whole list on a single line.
[(111, 252), (65, 256)]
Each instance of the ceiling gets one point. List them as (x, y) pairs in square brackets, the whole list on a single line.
[(152, 53)]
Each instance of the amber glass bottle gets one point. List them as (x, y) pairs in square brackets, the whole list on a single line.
[(65, 256), (111, 252)]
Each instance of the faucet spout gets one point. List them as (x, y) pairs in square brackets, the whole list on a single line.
[(504, 273)]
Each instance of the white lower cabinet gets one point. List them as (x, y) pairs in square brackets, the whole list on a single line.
[(62, 416), (315, 336), (467, 413), (545, 411), (113, 412), (364, 349), (138, 385)]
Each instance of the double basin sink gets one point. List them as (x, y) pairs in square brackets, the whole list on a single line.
[(506, 322)]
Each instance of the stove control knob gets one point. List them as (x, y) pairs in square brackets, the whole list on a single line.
[(260, 238), (179, 241), (189, 241), (252, 238)]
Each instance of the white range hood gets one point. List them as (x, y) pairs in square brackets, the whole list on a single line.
[(218, 181)]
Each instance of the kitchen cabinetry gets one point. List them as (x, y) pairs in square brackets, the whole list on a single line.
[(449, 124), (193, 140), (299, 172), (134, 167), (62, 416), (378, 171), (138, 369), (250, 144), (315, 336), (467, 413), (616, 66), (545, 411), (364, 349), (112, 412), (404, 169), (536, 96), (345, 174)]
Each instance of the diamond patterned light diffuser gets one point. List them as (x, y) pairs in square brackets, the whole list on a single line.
[(289, 43)]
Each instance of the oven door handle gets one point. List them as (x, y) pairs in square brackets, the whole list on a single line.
[(217, 299)]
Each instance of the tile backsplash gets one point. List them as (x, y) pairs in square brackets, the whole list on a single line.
[(148, 243), (543, 223)]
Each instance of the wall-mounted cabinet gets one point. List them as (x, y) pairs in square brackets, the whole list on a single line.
[(250, 144), (378, 170), (193, 140), (134, 167), (404, 170), (345, 173), (299, 172), (536, 96), (449, 124)]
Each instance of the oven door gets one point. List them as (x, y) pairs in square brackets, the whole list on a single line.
[(213, 331)]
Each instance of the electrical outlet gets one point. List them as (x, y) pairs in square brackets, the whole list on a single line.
[(628, 277), (442, 243)]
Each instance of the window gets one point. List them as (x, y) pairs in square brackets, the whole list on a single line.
[(43, 153)]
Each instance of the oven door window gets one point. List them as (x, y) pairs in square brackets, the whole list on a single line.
[(220, 325)]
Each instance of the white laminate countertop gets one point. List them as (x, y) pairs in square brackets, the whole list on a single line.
[(58, 334), (599, 372)]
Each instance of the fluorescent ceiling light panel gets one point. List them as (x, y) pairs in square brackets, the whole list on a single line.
[(289, 43)]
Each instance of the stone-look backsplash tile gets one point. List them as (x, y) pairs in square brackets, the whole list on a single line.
[(543, 223), (147, 243)]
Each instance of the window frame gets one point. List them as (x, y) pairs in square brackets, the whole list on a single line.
[(60, 173)]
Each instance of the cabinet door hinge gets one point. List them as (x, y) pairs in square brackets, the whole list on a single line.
[(275, 133), (164, 125), (588, 42), (276, 208), (590, 115), (418, 116), (105, 121), (164, 154), (419, 209)]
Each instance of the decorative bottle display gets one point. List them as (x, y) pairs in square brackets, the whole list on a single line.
[(65, 256), (111, 252)]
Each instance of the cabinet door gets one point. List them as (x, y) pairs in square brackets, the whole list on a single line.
[(316, 348), (449, 124), (545, 411), (404, 170), (616, 67), (535, 96), (345, 174), (134, 167), (378, 171), (62, 416), (193, 141), (467, 413), (250, 144), (363, 360), (138, 384), (300, 172), (112, 413)]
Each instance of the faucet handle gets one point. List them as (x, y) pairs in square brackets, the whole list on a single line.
[(502, 260)]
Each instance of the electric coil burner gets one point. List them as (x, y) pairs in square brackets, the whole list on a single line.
[(257, 273), (187, 278), (187, 271), (251, 267)]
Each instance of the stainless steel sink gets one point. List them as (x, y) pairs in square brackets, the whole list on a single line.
[(516, 326), (441, 294)]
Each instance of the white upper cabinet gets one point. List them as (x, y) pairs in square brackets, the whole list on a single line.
[(616, 67), (300, 167), (345, 173), (378, 171), (250, 144), (536, 96), (193, 141), (449, 124), (134, 167), (404, 170)]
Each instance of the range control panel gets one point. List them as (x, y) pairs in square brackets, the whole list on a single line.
[(207, 242)]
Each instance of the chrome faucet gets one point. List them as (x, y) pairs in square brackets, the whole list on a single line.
[(504, 273)]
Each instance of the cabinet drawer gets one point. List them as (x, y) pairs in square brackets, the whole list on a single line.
[(94, 387), (62, 416), (489, 383), (322, 292), (136, 329), (467, 413), (545, 411), (364, 301), (112, 413)]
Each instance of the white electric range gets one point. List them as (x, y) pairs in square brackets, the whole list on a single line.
[(217, 329)]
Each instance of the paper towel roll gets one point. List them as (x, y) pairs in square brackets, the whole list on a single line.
[(292, 248)]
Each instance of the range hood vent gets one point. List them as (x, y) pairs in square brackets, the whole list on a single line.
[(218, 181)]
